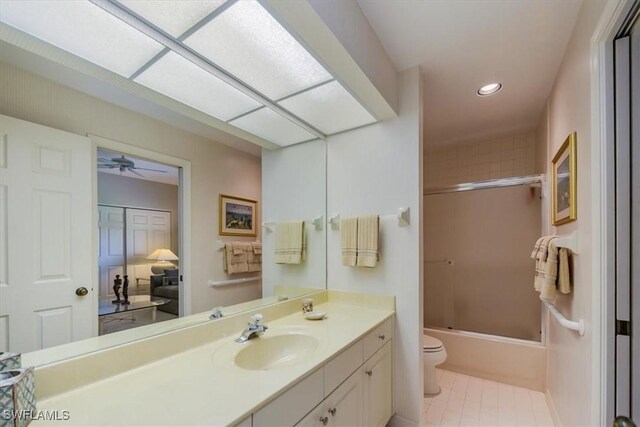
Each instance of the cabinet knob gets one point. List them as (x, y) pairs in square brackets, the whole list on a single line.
[(324, 420), (381, 337), (369, 372), (332, 411)]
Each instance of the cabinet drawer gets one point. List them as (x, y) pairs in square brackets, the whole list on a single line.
[(377, 338), (294, 404), (341, 366)]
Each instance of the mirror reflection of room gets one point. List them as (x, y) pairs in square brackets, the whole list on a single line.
[(138, 239)]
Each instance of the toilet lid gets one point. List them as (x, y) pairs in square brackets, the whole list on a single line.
[(431, 343)]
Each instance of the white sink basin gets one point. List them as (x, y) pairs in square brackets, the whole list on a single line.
[(276, 351)]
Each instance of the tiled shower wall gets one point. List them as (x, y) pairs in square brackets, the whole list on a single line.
[(480, 160)]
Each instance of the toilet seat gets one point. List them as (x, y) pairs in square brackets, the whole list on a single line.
[(431, 345)]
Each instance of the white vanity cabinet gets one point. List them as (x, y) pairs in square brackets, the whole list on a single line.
[(355, 388), (378, 392), (342, 408)]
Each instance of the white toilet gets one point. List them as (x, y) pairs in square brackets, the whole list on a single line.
[(434, 354)]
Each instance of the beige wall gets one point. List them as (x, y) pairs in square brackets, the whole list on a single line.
[(570, 377), (215, 168), (479, 160), (542, 137)]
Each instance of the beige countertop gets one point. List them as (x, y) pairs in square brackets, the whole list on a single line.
[(203, 386)]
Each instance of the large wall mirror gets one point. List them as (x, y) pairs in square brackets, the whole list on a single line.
[(147, 207), (139, 194)]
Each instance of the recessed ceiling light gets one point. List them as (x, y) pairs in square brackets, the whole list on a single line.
[(489, 89)]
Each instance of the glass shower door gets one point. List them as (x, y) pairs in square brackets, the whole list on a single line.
[(478, 272)]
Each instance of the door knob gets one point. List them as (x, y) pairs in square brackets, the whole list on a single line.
[(82, 291)]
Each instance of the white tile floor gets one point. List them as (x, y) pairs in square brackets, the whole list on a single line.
[(471, 401)]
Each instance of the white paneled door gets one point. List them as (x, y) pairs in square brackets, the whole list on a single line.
[(111, 261), (46, 231), (147, 230)]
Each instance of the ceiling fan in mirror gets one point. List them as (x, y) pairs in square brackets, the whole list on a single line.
[(124, 165)]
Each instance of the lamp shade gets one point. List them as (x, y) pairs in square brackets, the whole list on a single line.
[(163, 255)]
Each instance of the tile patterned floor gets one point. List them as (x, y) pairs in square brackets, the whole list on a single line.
[(470, 401)]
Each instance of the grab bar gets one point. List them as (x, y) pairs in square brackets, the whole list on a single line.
[(569, 324), (215, 284)]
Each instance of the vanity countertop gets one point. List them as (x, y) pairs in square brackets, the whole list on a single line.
[(203, 386)]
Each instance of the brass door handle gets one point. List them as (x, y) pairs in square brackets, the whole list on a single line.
[(82, 291)]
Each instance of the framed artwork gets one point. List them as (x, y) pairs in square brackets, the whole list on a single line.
[(237, 216), (564, 182)]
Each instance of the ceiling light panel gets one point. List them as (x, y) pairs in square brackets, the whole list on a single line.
[(329, 108), (174, 76), (173, 16), (269, 125), (85, 30), (250, 44)]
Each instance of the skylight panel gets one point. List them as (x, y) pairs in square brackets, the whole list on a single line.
[(184, 81), (269, 125), (329, 108), (85, 30), (174, 17), (250, 44)]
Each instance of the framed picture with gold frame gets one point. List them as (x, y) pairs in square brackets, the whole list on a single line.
[(564, 182), (237, 216)]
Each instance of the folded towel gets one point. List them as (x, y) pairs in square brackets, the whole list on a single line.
[(368, 240), (290, 242), (254, 256), (349, 240), (564, 274), (257, 248), (548, 291), (235, 258), (540, 253)]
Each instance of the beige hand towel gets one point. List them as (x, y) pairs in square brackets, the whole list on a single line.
[(290, 242), (235, 258), (541, 262), (548, 291), (368, 240), (349, 240), (254, 256), (564, 274)]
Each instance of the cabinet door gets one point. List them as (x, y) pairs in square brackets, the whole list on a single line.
[(344, 405), (319, 417), (378, 391)]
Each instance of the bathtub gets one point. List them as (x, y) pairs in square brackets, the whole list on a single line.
[(507, 360)]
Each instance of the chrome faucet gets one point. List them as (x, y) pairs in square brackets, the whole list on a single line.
[(254, 329), (216, 314)]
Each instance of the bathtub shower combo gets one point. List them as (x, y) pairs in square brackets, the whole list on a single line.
[(480, 304)]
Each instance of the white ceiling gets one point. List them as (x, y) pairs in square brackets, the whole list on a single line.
[(463, 45), (170, 176)]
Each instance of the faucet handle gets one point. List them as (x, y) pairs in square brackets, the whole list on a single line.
[(256, 319)]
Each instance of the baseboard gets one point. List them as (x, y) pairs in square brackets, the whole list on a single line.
[(552, 409), (398, 421)]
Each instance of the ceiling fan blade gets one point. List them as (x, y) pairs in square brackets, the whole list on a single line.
[(107, 166), (102, 159), (134, 172), (151, 170)]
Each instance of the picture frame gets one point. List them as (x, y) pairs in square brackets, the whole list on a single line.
[(237, 216), (564, 182)]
